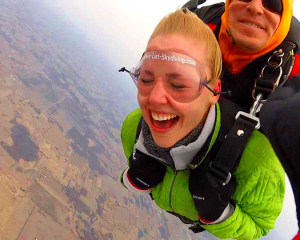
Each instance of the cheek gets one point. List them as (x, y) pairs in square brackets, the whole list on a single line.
[(275, 20), (231, 17), (197, 112), (193, 115), (142, 103), (141, 100)]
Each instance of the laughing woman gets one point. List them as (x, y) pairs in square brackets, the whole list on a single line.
[(172, 140)]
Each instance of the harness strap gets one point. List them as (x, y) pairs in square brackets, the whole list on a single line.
[(276, 71), (229, 154), (193, 4), (225, 155)]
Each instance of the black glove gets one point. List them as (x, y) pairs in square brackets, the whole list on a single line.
[(144, 171), (210, 196)]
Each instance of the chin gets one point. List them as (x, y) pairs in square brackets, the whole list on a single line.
[(164, 142), (251, 46)]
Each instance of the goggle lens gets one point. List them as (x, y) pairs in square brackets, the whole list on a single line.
[(177, 74)]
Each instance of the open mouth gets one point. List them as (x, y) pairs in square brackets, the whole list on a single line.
[(162, 122), (253, 25)]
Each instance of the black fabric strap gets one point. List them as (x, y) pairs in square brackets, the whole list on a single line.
[(265, 82), (229, 154), (196, 228), (287, 47), (138, 130), (193, 4), (194, 225), (294, 33)]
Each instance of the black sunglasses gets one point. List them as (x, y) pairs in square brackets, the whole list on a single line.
[(272, 5)]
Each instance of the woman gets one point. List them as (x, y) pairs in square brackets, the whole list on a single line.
[(171, 141)]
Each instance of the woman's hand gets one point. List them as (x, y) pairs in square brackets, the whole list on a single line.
[(211, 198), (144, 171)]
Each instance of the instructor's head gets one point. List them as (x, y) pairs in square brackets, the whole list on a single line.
[(258, 24), (251, 29)]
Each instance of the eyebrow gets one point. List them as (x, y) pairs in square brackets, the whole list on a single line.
[(148, 72), (174, 75), (170, 75)]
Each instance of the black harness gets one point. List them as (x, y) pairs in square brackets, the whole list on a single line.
[(274, 74)]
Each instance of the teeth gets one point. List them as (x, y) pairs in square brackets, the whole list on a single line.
[(252, 25), (162, 117)]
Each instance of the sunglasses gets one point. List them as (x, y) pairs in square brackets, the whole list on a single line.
[(272, 5)]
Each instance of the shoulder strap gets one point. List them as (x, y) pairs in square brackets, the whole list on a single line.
[(192, 5), (230, 152), (276, 70), (206, 13), (294, 33), (236, 130), (226, 152), (139, 128), (279, 65)]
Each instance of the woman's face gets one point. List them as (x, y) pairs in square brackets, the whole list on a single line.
[(170, 120)]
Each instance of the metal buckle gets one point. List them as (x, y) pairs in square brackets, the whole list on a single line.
[(250, 117), (273, 60), (275, 63), (223, 177)]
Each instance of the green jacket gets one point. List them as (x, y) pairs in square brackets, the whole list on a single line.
[(258, 197)]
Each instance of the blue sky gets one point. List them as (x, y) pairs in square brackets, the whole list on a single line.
[(122, 29)]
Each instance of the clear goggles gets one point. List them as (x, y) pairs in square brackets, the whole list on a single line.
[(176, 73)]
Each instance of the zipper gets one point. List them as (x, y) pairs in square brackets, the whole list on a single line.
[(170, 193)]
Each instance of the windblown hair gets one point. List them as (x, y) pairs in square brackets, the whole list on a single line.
[(188, 24)]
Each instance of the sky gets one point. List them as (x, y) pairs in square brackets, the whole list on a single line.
[(123, 26), (120, 30)]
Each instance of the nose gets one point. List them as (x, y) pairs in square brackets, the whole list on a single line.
[(255, 7), (158, 94)]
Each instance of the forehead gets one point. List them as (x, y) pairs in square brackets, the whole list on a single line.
[(180, 44), (171, 64)]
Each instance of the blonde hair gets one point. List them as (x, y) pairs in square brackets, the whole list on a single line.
[(186, 23)]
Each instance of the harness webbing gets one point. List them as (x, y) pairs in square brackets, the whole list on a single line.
[(193, 4), (276, 71)]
